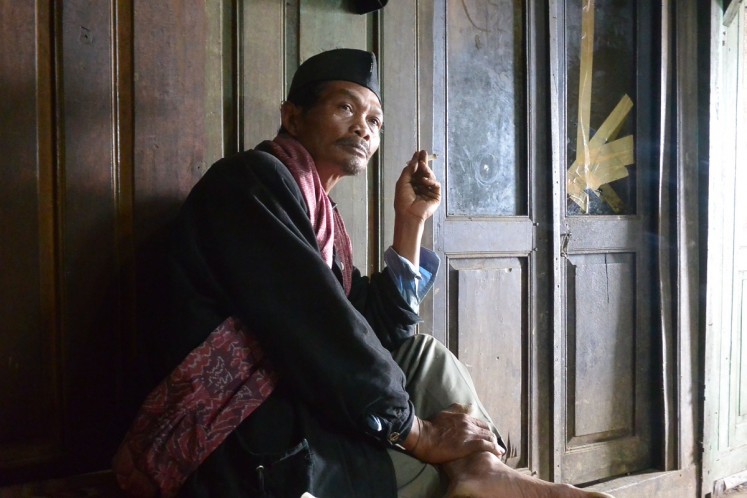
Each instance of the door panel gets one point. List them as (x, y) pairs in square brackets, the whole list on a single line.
[(601, 353), (483, 306), (605, 429), (725, 418), (486, 119), (488, 330), (603, 389)]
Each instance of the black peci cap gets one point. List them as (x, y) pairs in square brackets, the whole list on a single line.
[(366, 6), (344, 64)]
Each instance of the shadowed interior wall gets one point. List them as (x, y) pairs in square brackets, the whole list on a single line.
[(109, 113)]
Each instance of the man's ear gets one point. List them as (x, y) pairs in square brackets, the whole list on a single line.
[(289, 116)]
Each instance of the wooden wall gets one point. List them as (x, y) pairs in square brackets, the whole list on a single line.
[(109, 113)]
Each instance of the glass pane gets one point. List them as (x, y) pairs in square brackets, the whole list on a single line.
[(600, 55), (485, 108)]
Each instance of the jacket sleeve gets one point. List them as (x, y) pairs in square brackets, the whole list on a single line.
[(385, 309), (244, 235)]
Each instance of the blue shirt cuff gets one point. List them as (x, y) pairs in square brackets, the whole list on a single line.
[(411, 282)]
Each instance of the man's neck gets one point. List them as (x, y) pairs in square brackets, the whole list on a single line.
[(328, 178)]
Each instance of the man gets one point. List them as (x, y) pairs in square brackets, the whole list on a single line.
[(345, 400)]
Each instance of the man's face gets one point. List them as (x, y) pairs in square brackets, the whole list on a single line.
[(341, 131)]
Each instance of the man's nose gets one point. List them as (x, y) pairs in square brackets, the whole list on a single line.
[(360, 127)]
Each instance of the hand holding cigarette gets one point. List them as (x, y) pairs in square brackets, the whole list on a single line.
[(418, 192)]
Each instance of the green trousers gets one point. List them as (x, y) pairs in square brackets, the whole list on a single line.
[(435, 380)]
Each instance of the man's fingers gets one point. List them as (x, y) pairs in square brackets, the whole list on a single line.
[(477, 445)]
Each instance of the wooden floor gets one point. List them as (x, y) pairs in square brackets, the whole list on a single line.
[(103, 485), (98, 485)]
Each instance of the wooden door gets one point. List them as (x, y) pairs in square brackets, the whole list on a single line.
[(725, 416), (491, 299), (603, 293), (546, 290)]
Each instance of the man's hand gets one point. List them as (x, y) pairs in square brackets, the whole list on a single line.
[(450, 435), (418, 193)]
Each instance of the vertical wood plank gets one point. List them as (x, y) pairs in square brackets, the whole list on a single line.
[(89, 276), (399, 81), (325, 25), (426, 110), (128, 386), (219, 108), (262, 86), (688, 227), (179, 119), (29, 397)]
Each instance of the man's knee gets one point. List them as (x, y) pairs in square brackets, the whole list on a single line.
[(423, 345)]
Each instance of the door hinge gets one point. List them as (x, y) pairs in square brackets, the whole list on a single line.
[(565, 239)]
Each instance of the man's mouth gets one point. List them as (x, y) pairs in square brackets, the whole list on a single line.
[(358, 145)]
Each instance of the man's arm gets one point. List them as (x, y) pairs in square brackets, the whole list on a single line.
[(416, 198), (452, 433)]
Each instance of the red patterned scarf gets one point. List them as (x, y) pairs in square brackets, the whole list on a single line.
[(326, 220), (221, 382)]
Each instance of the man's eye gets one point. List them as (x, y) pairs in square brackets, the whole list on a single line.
[(346, 107), (375, 122)]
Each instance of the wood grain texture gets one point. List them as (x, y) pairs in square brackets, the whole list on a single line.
[(262, 57), (492, 342), (398, 66), (29, 394), (325, 25), (179, 116)]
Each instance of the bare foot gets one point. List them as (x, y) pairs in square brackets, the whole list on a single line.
[(483, 475)]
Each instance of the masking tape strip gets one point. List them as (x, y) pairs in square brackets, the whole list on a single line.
[(598, 161), (608, 195), (585, 78), (606, 163), (612, 124), (610, 162)]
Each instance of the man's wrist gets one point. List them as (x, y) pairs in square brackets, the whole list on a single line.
[(412, 440), (407, 235)]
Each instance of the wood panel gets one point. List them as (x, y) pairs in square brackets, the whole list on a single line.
[(185, 119), (601, 352), (490, 302), (324, 25), (178, 90), (262, 84), (399, 80), (88, 250), (738, 381), (725, 418), (29, 395), (486, 173)]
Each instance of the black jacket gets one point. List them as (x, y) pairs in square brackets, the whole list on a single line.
[(243, 246)]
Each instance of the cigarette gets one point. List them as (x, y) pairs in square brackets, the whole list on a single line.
[(428, 158)]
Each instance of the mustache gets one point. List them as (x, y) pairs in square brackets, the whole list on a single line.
[(354, 142)]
